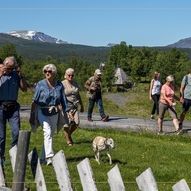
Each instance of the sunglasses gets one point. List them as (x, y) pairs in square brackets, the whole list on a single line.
[(9, 68), (70, 75), (48, 71)]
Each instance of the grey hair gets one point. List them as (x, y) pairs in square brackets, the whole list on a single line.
[(170, 78), (51, 67), (10, 59), (69, 71)]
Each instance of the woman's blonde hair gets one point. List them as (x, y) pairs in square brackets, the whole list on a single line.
[(155, 74), (170, 78), (68, 72)]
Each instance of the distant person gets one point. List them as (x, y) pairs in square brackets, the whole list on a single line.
[(71, 90), (154, 93), (93, 87), (167, 102), (185, 97), (48, 100), (10, 82)]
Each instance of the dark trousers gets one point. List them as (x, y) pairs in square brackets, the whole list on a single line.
[(99, 103), (13, 117), (155, 108)]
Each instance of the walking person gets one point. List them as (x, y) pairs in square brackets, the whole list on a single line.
[(167, 102), (48, 100), (154, 93), (10, 82), (185, 97), (71, 90), (93, 87)]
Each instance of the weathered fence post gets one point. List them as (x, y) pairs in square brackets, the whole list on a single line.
[(13, 154), (21, 160), (62, 172), (181, 186), (115, 180), (86, 175), (146, 181), (37, 170)]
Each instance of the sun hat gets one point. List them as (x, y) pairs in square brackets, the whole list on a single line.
[(98, 72)]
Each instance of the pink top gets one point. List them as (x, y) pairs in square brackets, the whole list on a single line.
[(167, 94)]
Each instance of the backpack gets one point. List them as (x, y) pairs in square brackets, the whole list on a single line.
[(186, 80)]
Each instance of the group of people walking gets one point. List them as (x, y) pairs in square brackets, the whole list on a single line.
[(54, 100), (54, 104), (57, 103), (164, 98)]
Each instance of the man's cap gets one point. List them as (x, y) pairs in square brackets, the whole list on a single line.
[(98, 72)]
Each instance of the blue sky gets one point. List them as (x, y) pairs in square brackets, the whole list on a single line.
[(99, 22)]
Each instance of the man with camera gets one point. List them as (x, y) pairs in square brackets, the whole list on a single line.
[(10, 82), (93, 87)]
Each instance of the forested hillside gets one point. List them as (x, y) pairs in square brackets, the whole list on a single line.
[(139, 63), (41, 50)]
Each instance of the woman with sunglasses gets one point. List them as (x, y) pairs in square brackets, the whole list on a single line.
[(71, 90), (48, 100)]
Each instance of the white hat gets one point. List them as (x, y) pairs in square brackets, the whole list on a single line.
[(98, 71)]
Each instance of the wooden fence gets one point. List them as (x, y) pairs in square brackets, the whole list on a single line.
[(18, 156)]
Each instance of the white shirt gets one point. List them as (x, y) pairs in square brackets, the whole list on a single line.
[(156, 87)]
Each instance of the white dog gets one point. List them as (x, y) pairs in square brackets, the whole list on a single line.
[(102, 144)]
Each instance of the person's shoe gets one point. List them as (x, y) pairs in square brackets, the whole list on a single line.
[(179, 131), (180, 126), (160, 133), (70, 144), (70, 141), (152, 117), (105, 118), (49, 161), (90, 119)]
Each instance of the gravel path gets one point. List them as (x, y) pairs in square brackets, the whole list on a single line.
[(122, 123)]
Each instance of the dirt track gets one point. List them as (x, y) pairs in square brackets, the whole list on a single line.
[(122, 123)]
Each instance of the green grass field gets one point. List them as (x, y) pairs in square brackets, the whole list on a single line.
[(168, 157)]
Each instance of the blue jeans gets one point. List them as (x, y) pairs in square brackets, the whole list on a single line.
[(99, 103), (13, 117)]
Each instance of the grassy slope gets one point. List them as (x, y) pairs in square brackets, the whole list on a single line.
[(168, 156)]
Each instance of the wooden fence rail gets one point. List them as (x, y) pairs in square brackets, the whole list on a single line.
[(115, 180), (181, 186), (146, 181), (62, 172), (37, 170), (86, 175)]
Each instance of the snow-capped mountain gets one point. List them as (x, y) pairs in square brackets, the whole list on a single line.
[(36, 36)]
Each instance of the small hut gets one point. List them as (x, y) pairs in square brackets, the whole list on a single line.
[(121, 81)]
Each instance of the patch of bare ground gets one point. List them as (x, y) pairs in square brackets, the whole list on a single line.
[(119, 99)]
